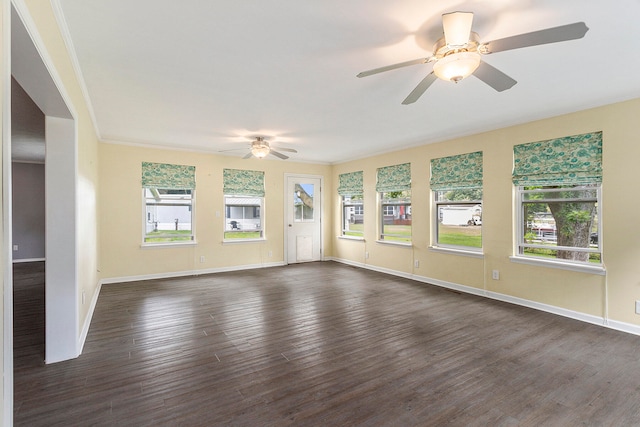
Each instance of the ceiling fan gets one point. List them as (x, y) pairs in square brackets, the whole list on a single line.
[(457, 54), (260, 149)]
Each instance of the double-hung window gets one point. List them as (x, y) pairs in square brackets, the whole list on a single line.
[(243, 204), (394, 195), (351, 191), (168, 194), (456, 183), (558, 188)]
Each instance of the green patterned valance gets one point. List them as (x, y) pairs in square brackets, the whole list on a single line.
[(350, 184), (239, 182), (394, 178), (164, 175), (571, 160), (457, 172)]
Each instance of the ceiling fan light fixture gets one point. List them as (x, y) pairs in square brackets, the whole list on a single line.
[(260, 148), (456, 66)]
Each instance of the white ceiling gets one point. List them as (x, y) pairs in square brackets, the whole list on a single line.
[(207, 75)]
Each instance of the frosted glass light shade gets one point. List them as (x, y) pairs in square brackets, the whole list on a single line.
[(457, 66), (260, 151)]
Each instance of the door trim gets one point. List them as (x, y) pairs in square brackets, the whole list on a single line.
[(285, 223)]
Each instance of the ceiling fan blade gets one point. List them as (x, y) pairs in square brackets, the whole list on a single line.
[(563, 33), (248, 155), (289, 150), (420, 89), (394, 66), (494, 77), (457, 27), (279, 155)]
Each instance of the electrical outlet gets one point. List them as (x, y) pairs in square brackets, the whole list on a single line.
[(84, 297), (366, 255), (201, 259), (495, 275), (416, 264), (218, 214), (270, 254), (637, 307), (15, 247)]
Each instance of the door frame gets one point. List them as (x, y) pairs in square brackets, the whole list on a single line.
[(285, 216)]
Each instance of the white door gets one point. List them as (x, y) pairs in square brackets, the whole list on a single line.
[(303, 211)]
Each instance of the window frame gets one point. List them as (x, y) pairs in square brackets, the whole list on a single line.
[(348, 204), (436, 221), (520, 243), (381, 215), (191, 238), (227, 220)]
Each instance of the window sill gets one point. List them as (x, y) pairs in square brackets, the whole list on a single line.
[(461, 252), (356, 238), (240, 241), (167, 245), (401, 244), (581, 268)]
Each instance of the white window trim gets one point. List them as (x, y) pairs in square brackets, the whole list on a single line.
[(191, 242), (555, 263), (457, 251), (356, 238)]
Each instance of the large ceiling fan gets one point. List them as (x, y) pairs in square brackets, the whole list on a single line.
[(260, 149), (458, 53)]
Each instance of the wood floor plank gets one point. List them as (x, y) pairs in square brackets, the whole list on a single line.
[(318, 344)]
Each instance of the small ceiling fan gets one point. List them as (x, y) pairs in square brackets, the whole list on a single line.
[(260, 149), (457, 54)]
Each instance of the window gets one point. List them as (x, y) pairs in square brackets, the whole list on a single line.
[(168, 194), (351, 190), (459, 218), (243, 204), (169, 215), (456, 182), (558, 186), (394, 196), (243, 217), (352, 216), (395, 223), (560, 222)]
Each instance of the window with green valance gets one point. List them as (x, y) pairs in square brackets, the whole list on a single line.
[(571, 160), (457, 172), (243, 182), (165, 175), (394, 178), (351, 184)]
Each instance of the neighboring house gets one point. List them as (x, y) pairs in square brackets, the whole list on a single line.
[(461, 215), (243, 213)]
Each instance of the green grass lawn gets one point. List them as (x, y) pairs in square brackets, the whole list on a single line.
[(458, 235), (355, 230), (397, 233), (170, 236), (242, 235)]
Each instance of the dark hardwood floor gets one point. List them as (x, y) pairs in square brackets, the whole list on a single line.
[(323, 344)]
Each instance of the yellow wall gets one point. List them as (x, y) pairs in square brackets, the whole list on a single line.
[(121, 212), (576, 291)]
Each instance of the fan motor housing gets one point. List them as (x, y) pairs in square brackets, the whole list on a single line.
[(442, 49)]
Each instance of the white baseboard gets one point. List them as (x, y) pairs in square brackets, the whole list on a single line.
[(185, 273), (16, 261), (583, 317), (87, 321)]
